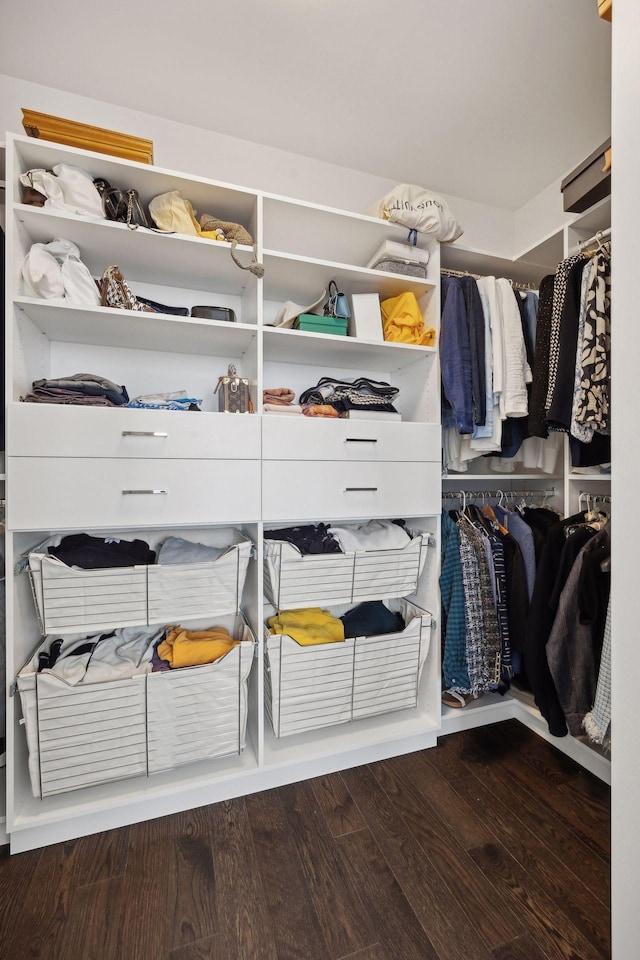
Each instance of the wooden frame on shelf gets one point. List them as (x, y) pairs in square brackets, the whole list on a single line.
[(86, 137)]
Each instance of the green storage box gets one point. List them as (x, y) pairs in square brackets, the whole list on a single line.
[(310, 321)]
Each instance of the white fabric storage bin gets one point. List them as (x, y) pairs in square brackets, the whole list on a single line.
[(295, 580), (83, 735), (181, 590), (73, 600), (198, 713), (309, 687), (79, 736)]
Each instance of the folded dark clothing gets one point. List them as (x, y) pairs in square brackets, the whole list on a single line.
[(60, 396), (361, 392), (94, 553), (85, 384), (310, 538), (371, 618), (361, 404)]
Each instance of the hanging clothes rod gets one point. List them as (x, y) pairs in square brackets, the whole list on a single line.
[(596, 238), (516, 284), (450, 272), (496, 494), (596, 497)]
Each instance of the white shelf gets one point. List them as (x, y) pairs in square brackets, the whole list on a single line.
[(301, 346), (310, 230), (341, 738), (588, 755), (137, 330), (597, 217), (505, 478), (458, 257), (187, 262), (518, 705), (35, 812), (589, 477), (489, 708), (547, 253), (226, 201), (289, 277)]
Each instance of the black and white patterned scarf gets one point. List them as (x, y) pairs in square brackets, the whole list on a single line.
[(591, 403)]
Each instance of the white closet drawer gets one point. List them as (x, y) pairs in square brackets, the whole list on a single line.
[(55, 430), (307, 438), (322, 490), (73, 493)]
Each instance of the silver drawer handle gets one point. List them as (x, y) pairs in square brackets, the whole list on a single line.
[(360, 440), (360, 489), (125, 492), (143, 433)]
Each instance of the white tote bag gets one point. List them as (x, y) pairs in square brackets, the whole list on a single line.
[(54, 271), (67, 188), (420, 210)]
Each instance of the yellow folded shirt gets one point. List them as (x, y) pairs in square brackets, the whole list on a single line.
[(308, 626), (402, 321), (193, 648)]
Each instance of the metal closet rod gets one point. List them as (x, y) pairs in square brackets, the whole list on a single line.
[(596, 497), (495, 494), (516, 284), (596, 238)]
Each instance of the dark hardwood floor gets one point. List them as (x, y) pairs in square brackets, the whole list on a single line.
[(492, 846)]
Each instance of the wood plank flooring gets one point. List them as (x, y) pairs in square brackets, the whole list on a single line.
[(491, 846)]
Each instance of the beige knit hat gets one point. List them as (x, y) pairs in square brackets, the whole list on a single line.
[(232, 231)]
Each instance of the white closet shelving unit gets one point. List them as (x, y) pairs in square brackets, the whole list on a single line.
[(67, 467), (563, 487)]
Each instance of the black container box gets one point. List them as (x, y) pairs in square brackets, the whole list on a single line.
[(588, 183)]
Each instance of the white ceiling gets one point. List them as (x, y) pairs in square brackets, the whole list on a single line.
[(488, 101)]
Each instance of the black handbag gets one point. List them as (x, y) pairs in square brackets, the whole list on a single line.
[(123, 206)]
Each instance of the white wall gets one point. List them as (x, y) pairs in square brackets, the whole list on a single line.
[(205, 153), (539, 218), (626, 457)]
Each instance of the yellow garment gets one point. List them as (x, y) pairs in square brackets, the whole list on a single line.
[(170, 211), (402, 321), (307, 626), (192, 648)]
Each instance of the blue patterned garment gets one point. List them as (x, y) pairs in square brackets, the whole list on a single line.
[(473, 613), (483, 638), (454, 632)]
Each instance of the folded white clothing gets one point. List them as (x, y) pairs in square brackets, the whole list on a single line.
[(282, 408), (374, 535)]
